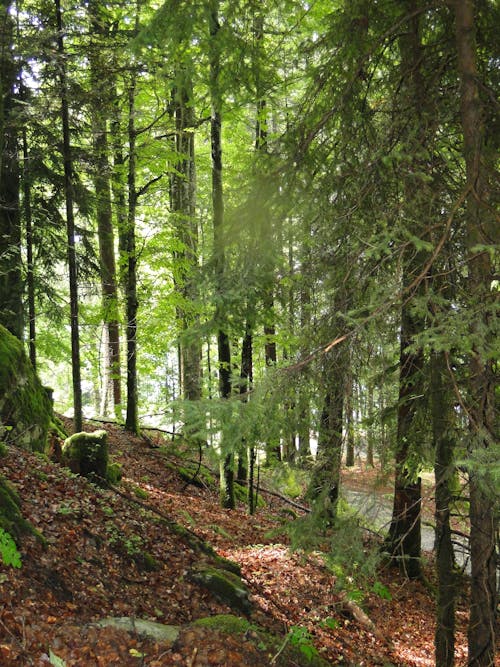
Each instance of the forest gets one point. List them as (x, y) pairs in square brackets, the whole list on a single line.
[(249, 294)]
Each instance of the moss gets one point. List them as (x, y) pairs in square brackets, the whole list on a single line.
[(25, 407), (228, 623), (11, 519), (87, 454), (201, 478), (226, 586), (140, 492), (114, 472)]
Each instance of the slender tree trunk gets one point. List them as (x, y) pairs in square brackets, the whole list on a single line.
[(132, 417), (480, 229), (370, 407), (405, 531), (444, 471), (11, 287), (349, 410), (30, 269), (246, 380), (223, 345), (183, 197), (70, 225), (324, 488), (102, 182)]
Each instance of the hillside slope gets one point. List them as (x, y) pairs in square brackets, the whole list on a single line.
[(120, 555)]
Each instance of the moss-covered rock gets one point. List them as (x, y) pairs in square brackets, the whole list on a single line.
[(11, 519), (226, 586), (87, 454), (25, 406)]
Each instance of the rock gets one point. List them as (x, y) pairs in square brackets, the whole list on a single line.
[(226, 586), (25, 406), (157, 631), (87, 454)]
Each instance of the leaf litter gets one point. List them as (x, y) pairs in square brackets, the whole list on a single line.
[(93, 566)]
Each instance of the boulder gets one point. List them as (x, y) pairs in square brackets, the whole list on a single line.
[(25, 406), (87, 454)]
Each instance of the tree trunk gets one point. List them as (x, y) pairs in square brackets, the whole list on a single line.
[(102, 183), (11, 287), (70, 225), (30, 272), (444, 471), (480, 229), (132, 418), (325, 484), (183, 198), (223, 346), (349, 420), (405, 532)]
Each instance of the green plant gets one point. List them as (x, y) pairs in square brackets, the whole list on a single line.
[(55, 660), (8, 550), (331, 623), (301, 638), (140, 492), (381, 590)]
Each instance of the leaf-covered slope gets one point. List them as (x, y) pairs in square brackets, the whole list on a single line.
[(118, 555)]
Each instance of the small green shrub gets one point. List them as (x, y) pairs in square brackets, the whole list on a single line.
[(8, 550), (302, 639)]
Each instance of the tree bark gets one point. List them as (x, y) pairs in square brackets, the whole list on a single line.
[(223, 345), (70, 225), (183, 197), (11, 287), (404, 539), (479, 230), (100, 102), (132, 305), (444, 468)]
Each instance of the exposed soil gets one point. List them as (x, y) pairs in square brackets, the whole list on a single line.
[(112, 555)]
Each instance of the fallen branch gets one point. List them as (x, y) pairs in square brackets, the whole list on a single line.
[(359, 615)]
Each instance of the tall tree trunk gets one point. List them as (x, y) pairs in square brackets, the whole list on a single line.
[(405, 531), (324, 488), (223, 345), (132, 417), (183, 197), (444, 472), (70, 225), (369, 430), (349, 418), (100, 103), (11, 287), (246, 380), (30, 269), (480, 229)]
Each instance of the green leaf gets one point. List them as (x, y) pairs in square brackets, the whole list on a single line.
[(56, 660), (382, 591), (8, 550)]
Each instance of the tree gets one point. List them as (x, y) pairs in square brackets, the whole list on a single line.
[(11, 286), (70, 223), (479, 231), (100, 112), (223, 345)]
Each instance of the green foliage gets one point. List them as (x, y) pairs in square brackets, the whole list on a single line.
[(381, 590), (302, 639), (8, 550), (55, 660), (140, 492)]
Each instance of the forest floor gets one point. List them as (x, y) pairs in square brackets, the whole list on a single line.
[(111, 554)]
